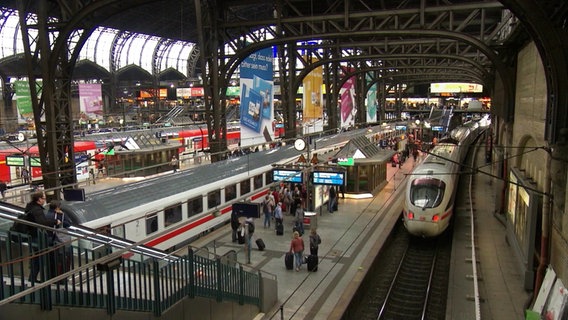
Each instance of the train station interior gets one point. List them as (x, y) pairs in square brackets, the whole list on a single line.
[(100, 94)]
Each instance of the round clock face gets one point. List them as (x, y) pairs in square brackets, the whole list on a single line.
[(300, 144)]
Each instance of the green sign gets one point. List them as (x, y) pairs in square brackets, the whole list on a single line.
[(16, 161), (346, 162), (35, 162)]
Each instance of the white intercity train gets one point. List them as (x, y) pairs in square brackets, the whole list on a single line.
[(431, 187)]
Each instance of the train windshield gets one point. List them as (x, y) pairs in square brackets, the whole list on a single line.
[(427, 192)]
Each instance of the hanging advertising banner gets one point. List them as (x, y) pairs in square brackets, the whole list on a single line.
[(24, 101), (347, 104), (371, 101), (257, 98), (91, 99), (312, 97)]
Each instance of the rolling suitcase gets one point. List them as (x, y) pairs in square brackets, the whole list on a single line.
[(289, 261), (279, 229), (312, 262), (260, 244)]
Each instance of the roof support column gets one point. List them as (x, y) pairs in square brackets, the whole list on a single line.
[(212, 58), (287, 67)]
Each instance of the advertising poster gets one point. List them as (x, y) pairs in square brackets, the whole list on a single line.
[(91, 99), (257, 98), (313, 96), (24, 101), (347, 104), (371, 103)]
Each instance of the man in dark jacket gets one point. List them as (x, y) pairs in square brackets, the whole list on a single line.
[(234, 225), (36, 214)]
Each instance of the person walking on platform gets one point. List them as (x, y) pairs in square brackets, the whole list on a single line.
[(267, 210), (3, 188), (174, 163), (315, 241), (297, 248), (331, 203), (234, 225), (278, 213), (35, 211), (300, 219)]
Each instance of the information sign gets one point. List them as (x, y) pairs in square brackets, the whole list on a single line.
[(328, 178), (16, 161), (346, 161), (293, 176), (35, 162)]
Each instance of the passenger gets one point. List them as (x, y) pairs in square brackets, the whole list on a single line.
[(331, 203), (37, 215), (25, 176), (61, 259), (267, 210), (100, 169), (174, 163), (278, 213), (300, 219), (3, 188), (315, 241), (297, 248), (234, 225)]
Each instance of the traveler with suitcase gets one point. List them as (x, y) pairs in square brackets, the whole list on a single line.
[(312, 259), (297, 248)]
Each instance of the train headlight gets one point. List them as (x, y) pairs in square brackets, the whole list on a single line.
[(410, 215), (435, 218)]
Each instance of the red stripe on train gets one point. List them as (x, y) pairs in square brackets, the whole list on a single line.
[(196, 223)]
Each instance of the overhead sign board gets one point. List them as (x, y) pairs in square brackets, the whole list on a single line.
[(438, 128), (35, 162), (287, 175), (249, 210), (328, 178), (16, 161), (346, 162), (399, 127)]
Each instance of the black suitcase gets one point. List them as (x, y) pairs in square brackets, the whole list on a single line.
[(279, 229), (289, 261), (260, 244), (312, 262)]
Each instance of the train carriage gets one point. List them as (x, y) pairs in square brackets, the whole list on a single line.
[(431, 187)]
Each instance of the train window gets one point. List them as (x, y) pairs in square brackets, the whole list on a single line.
[(194, 206), (213, 199), (427, 192), (268, 177), (118, 231), (151, 224), (230, 192), (172, 215), (258, 182), (245, 186)]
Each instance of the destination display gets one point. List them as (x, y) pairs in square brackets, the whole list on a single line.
[(16, 161), (328, 178), (293, 176)]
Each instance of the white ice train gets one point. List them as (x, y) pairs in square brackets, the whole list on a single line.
[(432, 185), (173, 209)]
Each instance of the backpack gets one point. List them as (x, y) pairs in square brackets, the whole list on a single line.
[(251, 227), (22, 227)]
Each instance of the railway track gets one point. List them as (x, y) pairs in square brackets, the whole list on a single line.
[(410, 280)]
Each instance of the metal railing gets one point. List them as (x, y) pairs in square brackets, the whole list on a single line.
[(72, 275)]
